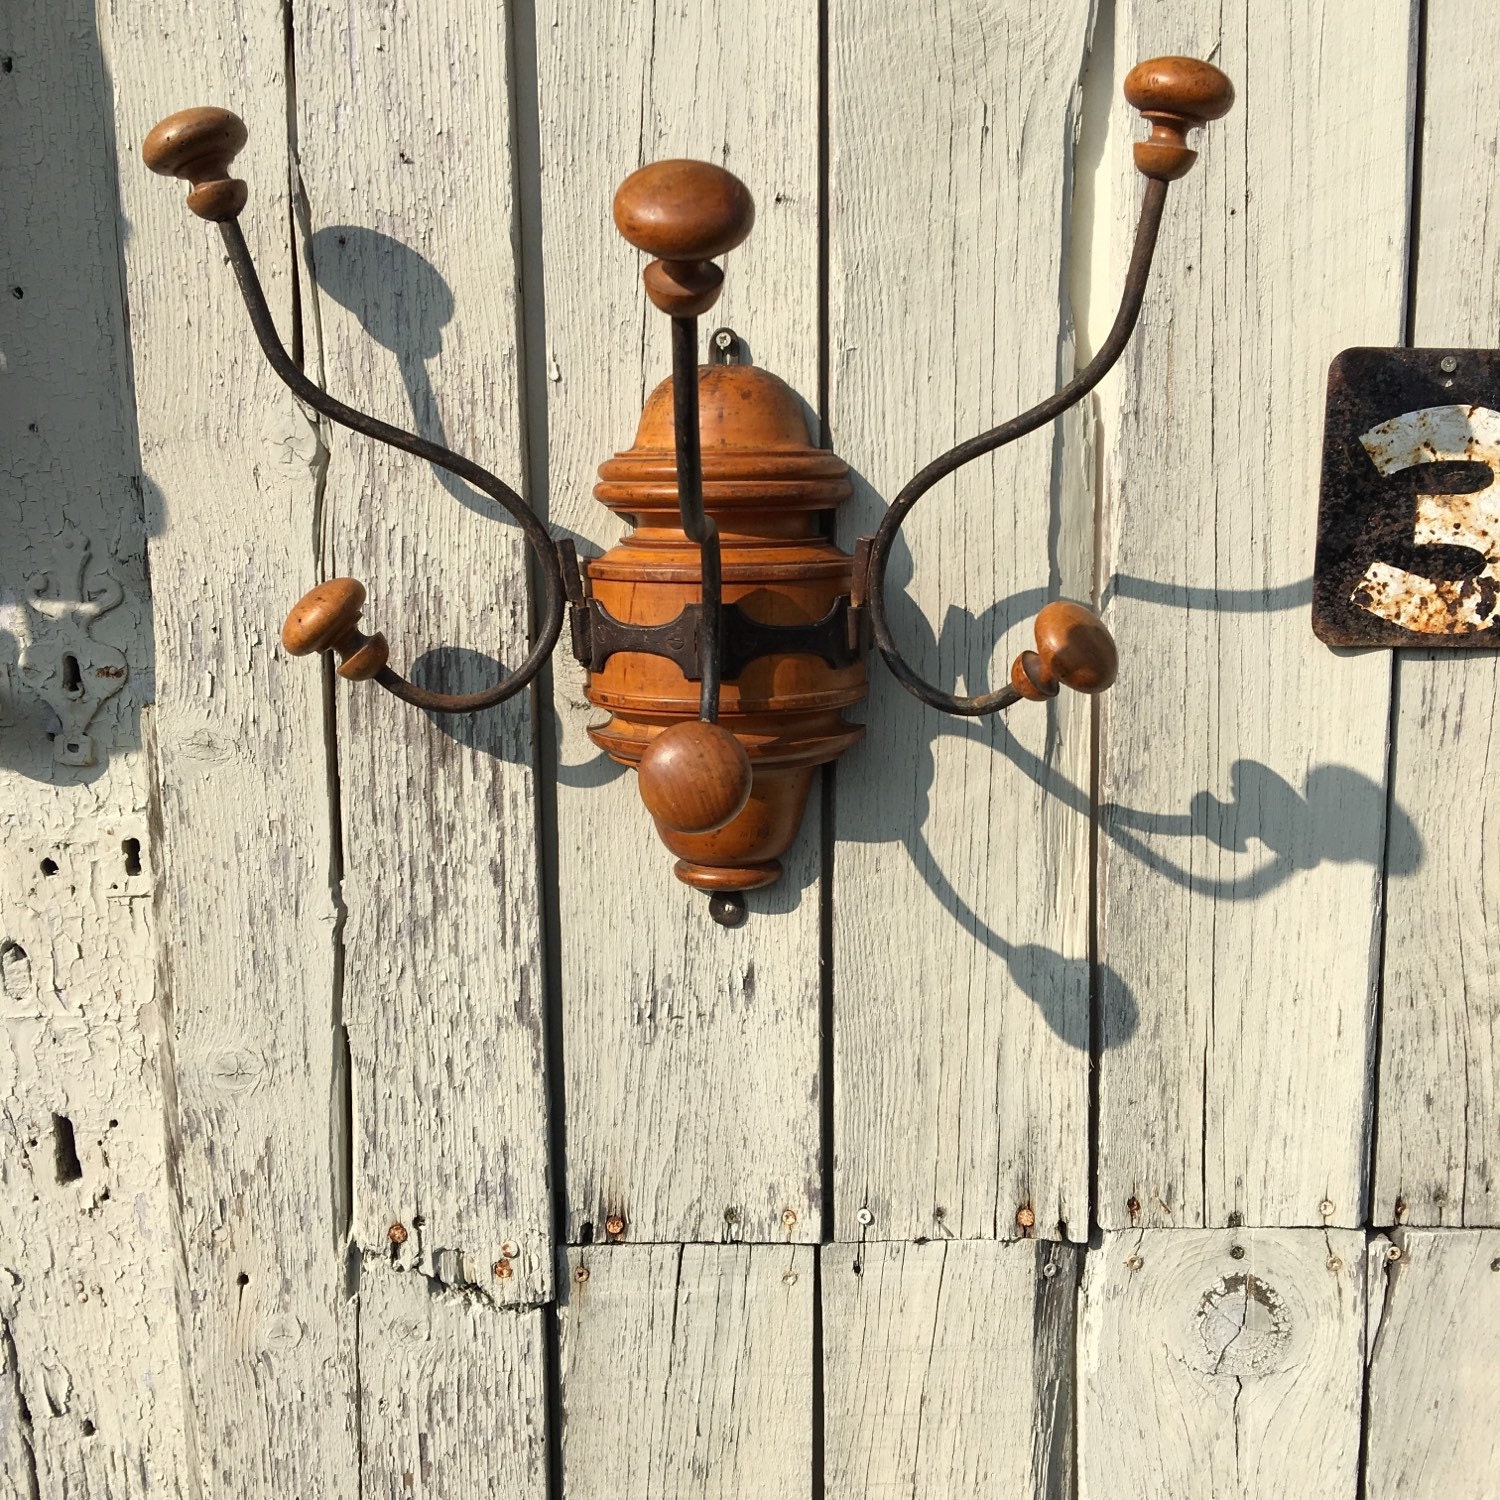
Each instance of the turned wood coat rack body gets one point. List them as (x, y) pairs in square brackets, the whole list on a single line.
[(724, 635)]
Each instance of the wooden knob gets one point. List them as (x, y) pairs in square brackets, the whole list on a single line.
[(1175, 94), (695, 777), (327, 619), (685, 213), (197, 145), (1073, 650)]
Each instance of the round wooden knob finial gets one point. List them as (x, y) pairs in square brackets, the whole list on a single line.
[(684, 210), (1074, 649), (327, 619), (1175, 94), (695, 777), (197, 145)]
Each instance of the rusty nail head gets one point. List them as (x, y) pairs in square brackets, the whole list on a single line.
[(1449, 364), (731, 1216), (1393, 1252), (503, 1269), (396, 1234), (865, 1217), (510, 1250), (1326, 1207), (1026, 1216), (581, 1274), (788, 1218), (614, 1224)]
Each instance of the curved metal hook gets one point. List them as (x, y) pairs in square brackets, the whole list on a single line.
[(346, 416), (997, 437)]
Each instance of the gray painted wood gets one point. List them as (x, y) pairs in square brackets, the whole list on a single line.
[(1243, 764), (1205, 1373), (91, 1390), (451, 1392), (246, 843), (687, 1371), (691, 1051), (1434, 1408), (1439, 1103), (960, 909), (944, 1364), (404, 149)]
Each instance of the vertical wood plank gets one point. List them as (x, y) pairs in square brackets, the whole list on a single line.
[(1438, 1135), (451, 1392), (687, 1371), (1243, 764), (961, 1014), (691, 1051), (945, 1363), (1205, 1373), (91, 1398), (404, 148), (1434, 1413), (248, 958)]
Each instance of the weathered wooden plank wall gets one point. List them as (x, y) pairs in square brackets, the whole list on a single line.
[(950, 1027)]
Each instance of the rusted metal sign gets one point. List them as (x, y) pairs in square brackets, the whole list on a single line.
[(1409, 521)]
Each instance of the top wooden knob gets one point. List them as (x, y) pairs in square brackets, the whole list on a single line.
[(1175, 94), (684, 210), (197, 145)]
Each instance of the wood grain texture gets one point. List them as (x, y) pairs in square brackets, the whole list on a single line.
[(1243, 765), (451, 1392), (245, 846), (1203, 1373), (691, 1052), (1434, 1405), (945, 1364), (687, 1371), (1438, 1137), (91, 1396), (403, 131), (960, 914)]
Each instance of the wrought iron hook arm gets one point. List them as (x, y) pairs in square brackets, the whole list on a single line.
[(198, 146), (1175, 94), (998, 437), (455, 463)]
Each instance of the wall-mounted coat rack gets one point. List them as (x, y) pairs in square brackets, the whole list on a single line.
[(724, 635)]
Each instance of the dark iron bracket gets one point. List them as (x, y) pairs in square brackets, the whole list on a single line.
[(840, 637)]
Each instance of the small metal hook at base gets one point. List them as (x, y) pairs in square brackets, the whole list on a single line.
[(726, 347), (728, 908)]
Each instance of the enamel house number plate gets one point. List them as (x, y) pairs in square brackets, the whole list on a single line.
[(1409, 519)]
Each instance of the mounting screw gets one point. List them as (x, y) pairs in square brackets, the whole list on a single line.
[(1334, 1263), (1134, 1262), (1326, 1207), (728, 908), (396, 1234), (614, 1225), (503, 1269), (1495, 1264), (731, 1216), (1393, 1252), (581, 1274), (510, 1250), (788, 1219), (1026, 1216), (1448, 364), (1237, 1252), (725, 347), (1049, 1270), (865, 1217)]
